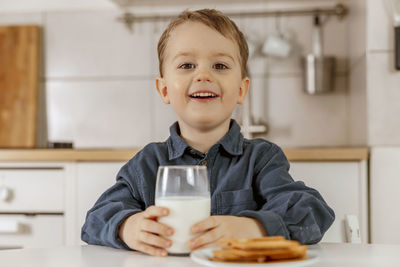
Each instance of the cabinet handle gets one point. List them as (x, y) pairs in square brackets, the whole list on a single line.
[(9, 227), (5, 193), (352, 228)]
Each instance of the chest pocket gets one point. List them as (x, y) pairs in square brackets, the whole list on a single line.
[(233, 202)]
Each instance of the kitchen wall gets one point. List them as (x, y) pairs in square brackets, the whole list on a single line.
[(98, 78), (98, 84), (375, 98), (383, 98)]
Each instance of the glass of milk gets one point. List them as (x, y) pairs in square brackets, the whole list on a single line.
[(185, 191)]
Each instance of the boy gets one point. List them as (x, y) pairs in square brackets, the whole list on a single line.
[(203, 75)]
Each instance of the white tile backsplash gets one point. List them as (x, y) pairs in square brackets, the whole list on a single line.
[(383, 99), (94, 44), (157, 29), (258, 93), (21, 18), (163, 117), (297, 119), (357, 32), (103, 114), (380, 30), (358, 103), (100, 89)]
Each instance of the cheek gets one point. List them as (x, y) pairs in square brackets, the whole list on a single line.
[(177, 92), (232, 88), (177, 84)]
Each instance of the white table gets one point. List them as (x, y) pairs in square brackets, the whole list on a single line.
[(330, 254)]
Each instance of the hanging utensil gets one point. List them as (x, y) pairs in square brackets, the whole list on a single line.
[(277, 45), (394, 9), (318, 70)]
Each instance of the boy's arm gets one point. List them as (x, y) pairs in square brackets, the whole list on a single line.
[(288, 208), (111, 209)]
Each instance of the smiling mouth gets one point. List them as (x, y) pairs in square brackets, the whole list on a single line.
[(203, 95)]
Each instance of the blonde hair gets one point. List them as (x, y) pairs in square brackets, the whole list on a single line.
[(213, 19)]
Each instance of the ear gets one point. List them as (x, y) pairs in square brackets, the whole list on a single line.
[(162, 90), (244, 89)]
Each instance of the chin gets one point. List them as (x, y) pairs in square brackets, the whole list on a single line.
[(207, 123)]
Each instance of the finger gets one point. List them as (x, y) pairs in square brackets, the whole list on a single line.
[(206, 238), (207, 224), (148, 249), (154, 240), (155, 211), (156, 227), (209, 245)]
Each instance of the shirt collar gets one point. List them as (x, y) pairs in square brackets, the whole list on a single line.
[(232, 142), (176, 144)]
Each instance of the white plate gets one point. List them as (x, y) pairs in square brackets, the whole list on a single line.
[(201, 256)]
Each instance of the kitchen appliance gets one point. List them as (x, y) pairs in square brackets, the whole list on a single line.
[(318, 69)]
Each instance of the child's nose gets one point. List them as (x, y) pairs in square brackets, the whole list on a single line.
[(203, 76)]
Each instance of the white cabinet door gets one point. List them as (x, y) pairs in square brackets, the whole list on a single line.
[(385, 195), (31, 231), (343, 185), (31, 190), (93, 178)]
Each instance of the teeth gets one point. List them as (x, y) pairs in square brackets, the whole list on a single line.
[(203, 95)]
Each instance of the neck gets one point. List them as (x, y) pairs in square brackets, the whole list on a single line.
[(203, 139)]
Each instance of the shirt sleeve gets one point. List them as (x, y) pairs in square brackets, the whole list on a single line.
[(288, 208), (111, 209)]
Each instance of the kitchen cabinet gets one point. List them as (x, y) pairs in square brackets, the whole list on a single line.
[(31, 230), (52, 190), (32, 189), (45, 203), (93, 178), (385, 195), (31, 205), (344, 186)]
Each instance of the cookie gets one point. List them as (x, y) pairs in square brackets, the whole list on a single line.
[(272, 248)]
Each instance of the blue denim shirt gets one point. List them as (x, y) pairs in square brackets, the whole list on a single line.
[(247, 178)]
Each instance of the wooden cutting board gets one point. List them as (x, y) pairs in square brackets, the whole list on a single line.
[(19, 85)]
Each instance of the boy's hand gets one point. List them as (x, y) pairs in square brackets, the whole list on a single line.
[(217, 227), (142, 232)]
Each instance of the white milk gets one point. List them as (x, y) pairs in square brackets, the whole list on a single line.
[(184, 212)]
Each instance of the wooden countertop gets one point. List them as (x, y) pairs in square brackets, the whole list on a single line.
[(293, 154)]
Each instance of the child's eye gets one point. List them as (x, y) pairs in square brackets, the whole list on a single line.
[(220, 66), (187, 66)]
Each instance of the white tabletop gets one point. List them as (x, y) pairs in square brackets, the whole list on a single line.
[(330, 255)]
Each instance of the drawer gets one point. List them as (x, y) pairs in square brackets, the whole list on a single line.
[(29, 231), (31, 190)]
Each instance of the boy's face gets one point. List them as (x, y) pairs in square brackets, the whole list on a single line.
[(202, 76)]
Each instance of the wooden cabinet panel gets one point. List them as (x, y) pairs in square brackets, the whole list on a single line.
[(19, 82)]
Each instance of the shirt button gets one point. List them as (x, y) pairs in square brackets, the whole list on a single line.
[(191, 151), (203, 163)]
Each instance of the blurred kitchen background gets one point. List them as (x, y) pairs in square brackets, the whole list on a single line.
[(96, 90)]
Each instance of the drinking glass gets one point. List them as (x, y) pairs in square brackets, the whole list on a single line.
[(185, 191)]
